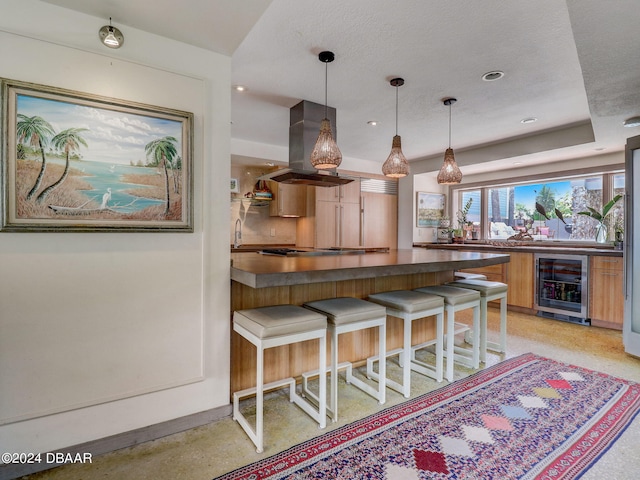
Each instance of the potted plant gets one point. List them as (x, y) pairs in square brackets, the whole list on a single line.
[(618, 228), (601, 217), (463, 222)]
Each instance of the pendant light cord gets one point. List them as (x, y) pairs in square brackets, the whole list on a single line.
[(449, 125), (396, 111), (326, 77)]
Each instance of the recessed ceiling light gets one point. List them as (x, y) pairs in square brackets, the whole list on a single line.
[(373, 123), (492, 76), (529, 120), (240, 88), (269, 164), (518, 163), (632, 122)]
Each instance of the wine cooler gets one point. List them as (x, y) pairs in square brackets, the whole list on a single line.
[(561, 288)]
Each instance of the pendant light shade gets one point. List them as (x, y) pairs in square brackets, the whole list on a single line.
[(396, 165), (325, 153), (449, 173)]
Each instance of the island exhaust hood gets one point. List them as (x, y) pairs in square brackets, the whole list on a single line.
[(304, 126)]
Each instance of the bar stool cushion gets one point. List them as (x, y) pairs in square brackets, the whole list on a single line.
[(469, 276), (344, 310), (451, 295), (407, 300), (277, 320), (485, 287)]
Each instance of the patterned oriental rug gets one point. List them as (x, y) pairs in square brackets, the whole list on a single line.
[(526, 418)]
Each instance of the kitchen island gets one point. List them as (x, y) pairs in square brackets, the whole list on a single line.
[(260, 280)]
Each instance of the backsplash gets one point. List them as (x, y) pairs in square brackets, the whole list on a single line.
[(258, 228)]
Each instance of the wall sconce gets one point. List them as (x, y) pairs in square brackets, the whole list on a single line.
[(111, 36)]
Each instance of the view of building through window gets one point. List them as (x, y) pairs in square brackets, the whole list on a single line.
[(547, 210)]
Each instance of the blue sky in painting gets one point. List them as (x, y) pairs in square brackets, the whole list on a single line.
[(113, 137)]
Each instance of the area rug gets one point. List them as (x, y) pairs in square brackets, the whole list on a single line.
[(526, 418)]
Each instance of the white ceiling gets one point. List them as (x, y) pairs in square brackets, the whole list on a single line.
[(571, 64)]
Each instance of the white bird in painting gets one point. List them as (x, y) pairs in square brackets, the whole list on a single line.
[(105, 198)]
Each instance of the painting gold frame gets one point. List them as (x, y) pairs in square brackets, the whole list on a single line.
[(75, 161)]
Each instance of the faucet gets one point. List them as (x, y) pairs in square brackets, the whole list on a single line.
[(237, 238)]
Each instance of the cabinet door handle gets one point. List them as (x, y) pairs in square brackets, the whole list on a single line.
[(608, 274), (338, 233)]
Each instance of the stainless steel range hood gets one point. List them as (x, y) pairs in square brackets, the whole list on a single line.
[(304, 126)]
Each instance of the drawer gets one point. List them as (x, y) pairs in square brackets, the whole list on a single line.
[(608, 263)]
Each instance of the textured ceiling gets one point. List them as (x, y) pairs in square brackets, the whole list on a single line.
[(570, 64)]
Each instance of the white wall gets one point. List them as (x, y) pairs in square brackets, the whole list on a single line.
[(101, 333)]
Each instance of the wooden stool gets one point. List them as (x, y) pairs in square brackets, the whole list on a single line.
[(409, 306), (489, 291), (456, 299), (268, 327), (349, 315)]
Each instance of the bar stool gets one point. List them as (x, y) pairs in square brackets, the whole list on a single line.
[(409, 306), (345, 315), (268, 327), (455, 300), (489, 291)]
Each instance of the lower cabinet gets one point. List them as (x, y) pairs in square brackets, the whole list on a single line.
[(606, 294)]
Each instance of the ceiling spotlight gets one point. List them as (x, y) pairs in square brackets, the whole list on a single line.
[(111, 36), (240, 88), (373, 123), (529, 120), (632, 122), (492, 76)]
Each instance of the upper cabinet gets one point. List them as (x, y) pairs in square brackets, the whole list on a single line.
[(348, 193), (288, 200)]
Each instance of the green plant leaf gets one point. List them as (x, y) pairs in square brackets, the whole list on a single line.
[(610, 205)]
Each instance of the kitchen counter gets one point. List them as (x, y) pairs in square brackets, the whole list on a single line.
[(530, 247), (258, 271), (260, 280)]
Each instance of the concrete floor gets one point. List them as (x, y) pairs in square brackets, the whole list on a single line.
[(206, 452)]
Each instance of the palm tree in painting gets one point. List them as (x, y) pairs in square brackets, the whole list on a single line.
[(36, 131), (163, 150), (69, 141)]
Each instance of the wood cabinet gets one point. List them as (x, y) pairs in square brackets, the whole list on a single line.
[(606, 294), (337, 224), (348, 193), (518, 274), (520, 278), (379, 220), (288, 200), (332, 218)]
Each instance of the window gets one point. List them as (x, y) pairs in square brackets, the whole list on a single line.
[(545, 209)]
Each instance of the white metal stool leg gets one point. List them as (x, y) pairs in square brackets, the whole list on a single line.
[(252, 326)]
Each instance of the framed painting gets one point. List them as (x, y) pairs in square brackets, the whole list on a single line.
[(235, 187), (429, 209), (73, 161)]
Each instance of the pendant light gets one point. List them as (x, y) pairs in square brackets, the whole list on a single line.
[(396, 165), (111, 36), (449, 173), (325, 153)]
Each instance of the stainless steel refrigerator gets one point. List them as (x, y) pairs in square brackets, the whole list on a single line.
[(631, 328)]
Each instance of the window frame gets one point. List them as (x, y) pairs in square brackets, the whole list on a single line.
[(455, 193)]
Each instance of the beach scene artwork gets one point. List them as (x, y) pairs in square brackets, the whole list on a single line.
[(429, 209), (86, 164)]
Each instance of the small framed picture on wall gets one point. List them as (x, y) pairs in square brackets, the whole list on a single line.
[(235, 187), (429, 209)]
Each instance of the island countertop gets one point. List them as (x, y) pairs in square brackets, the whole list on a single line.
[(258, 271)]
